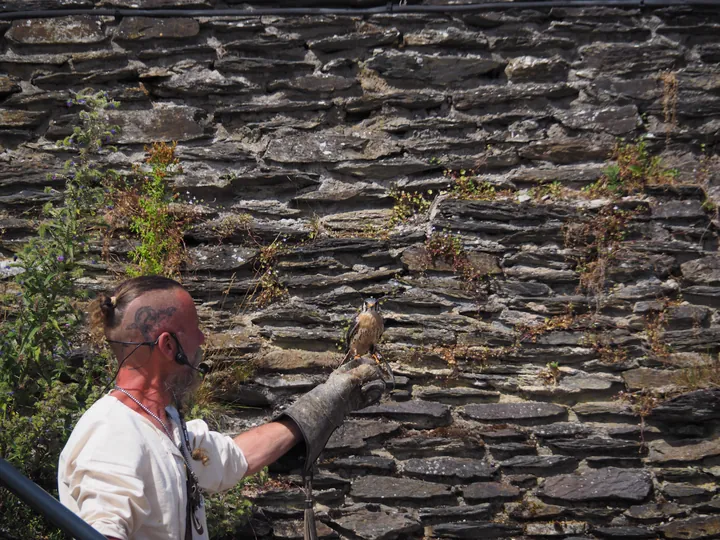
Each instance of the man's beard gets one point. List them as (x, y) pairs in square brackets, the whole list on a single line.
[(185, 382)]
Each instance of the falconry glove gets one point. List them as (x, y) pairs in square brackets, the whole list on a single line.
[(352, 386)]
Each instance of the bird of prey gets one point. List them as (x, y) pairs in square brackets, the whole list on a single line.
[(364, 333)]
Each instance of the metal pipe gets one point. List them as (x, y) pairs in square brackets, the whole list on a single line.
[(389, 8), (43, 503)]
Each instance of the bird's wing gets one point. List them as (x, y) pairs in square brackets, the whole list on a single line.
[(351, 333)]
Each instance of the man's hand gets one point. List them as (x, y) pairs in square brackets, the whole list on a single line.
[(354, 385)]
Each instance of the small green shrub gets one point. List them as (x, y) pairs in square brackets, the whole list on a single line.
[(634, 168), (43, 388), (161, 250), (408, 204)]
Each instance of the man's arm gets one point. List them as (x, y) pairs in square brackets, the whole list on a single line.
[(265, 444)]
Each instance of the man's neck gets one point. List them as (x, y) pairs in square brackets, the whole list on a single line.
[(150, 392)]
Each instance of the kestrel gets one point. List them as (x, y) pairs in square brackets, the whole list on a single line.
[(365, 332)]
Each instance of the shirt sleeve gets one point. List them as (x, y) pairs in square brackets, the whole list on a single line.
[(217, 461), (110, 498), (104, 478)]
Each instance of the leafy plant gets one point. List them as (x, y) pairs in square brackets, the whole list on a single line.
[(161, 250), (634, 168), (44, 388), (466, 185), (407, 205)]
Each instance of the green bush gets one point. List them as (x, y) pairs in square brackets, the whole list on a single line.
[(44, 384)]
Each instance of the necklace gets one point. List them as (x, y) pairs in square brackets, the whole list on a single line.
[(194, 495), (144, 408)]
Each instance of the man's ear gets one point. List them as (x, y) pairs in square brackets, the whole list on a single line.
[(166, 345)]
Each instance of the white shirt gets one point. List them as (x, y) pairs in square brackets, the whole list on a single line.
[(124, 476)]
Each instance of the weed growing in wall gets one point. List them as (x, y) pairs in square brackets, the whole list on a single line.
[(161, 250), (43, 389), (466, 185), (408, 204), (600, 241), (634, 168)]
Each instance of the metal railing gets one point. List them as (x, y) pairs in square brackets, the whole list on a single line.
[(43, 503)]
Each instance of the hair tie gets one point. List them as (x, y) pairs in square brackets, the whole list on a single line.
[(113, 301)]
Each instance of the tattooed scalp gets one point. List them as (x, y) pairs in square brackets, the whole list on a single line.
[(147, 319)]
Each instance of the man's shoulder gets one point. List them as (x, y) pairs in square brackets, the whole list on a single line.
[(107, 426)]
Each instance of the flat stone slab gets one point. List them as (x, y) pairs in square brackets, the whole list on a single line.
[(377, 523), (444, 514), (474, 530), (490, 492), (639, 378), (540, 465), (662, 452), (699, 405), (624, 532), (415, 447), (527, 412), (414, 413), (449, 469), (555, 528), (655, 512), (354, 434), (388, 490), (57, 30), (602, 485), (164, 123), (561, 430), (455, 396), (358, 465), (595, 446), (690, 529)]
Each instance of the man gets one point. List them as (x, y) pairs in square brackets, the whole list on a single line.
[(132, 468)]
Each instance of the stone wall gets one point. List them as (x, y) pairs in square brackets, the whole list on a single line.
[(528, 403)]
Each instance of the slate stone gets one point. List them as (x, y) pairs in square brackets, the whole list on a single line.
[(700, 405), (471, 529), (604, 485), (686, 492), (411, 447), (417, 414), (615, 120), (561, 430), (703, 271), (662, 452), (655, 512), (376, 522), (446, 469), (163, 123), (533, 509), (405, 491), (555, 528), (431, 69), (538, 465), (604, 410), (690, 529), (639, 378), (525, 69), (144, 28), (294, 530), (600, 462), (492, 436), (512, 449), (520, 413), (12, 118), (353, 40), (351, 467), (444, 514), (624, 532), (455, 396), (625, 58), (595, 446), (57, 30), (490, 492), (327, 148)]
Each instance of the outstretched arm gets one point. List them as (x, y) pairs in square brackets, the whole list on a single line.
[(265, 444)]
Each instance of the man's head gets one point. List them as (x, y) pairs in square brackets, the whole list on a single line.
[(156, 319)]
